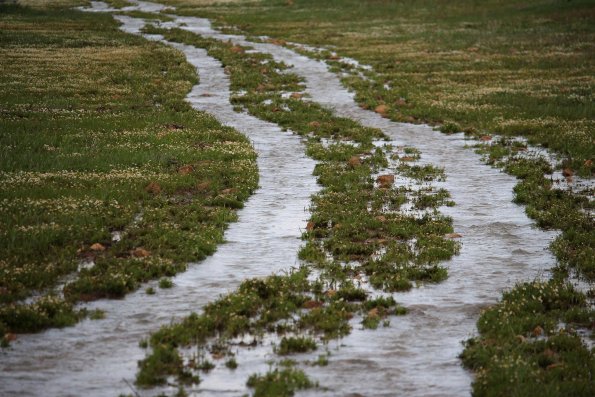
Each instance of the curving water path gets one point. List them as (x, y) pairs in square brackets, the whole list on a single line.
[(94, 357), (415, 356)]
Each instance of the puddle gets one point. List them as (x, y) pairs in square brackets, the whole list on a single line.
[(94, 357)]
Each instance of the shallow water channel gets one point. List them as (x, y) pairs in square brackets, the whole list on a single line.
[(415, 356)]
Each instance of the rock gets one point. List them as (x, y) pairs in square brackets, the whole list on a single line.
[(312, 304), (588, 163), (140, 253), (354, 161), (296, 95), (407, 158), (567, 172), (373, 313), (381, 109), (453, 235), (97, 247), (310, 226), (277, 41), (203, 186), (485, 138), (153, 187), (381, 218), (185, 170), (401, 102), (314, 124), (537, 331), (334, 57), (10, 337), (385, 181)]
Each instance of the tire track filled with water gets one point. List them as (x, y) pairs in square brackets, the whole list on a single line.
[(418, 354)]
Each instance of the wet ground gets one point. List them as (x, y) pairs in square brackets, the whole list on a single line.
[(415, 356)]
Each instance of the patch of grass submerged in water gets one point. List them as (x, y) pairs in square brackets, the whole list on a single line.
[(107, 173), (529, 345)]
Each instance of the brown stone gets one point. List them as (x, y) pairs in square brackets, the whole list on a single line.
[(453, 235), (153, 187), (567, 172), (203, 186), (537, 331), (10, 337), (354, 161), (385, 180), (310, 226), (140, 253), (185, 170), (296, 95), (485, 138), (381, 109), (407, 158), (314, 124), (97, 247)]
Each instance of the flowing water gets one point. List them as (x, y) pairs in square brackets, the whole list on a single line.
[(415, 356)]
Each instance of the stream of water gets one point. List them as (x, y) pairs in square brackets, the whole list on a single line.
[(415, 356)]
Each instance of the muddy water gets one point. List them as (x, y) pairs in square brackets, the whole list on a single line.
[(417, 354), (94, 357)]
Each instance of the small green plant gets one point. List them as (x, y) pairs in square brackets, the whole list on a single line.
[(165, 283), (231, 363), (290, 345)]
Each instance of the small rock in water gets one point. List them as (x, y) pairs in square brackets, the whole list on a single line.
[(385, 180), (453, 235), (486, 138), (567, 172)]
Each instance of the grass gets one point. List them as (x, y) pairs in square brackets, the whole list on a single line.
[(499, 66), (106, 174)]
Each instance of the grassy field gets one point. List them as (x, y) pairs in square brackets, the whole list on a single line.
[(107, 177), (496, 66)]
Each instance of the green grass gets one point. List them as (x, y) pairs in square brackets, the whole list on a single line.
[(96, 138), (518, 68)]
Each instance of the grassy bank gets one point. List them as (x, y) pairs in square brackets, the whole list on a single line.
[(107, 177)]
